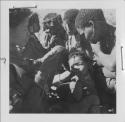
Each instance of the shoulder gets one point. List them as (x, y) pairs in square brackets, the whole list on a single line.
[(33, 40)]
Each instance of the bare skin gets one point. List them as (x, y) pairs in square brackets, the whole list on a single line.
[(106, 61)]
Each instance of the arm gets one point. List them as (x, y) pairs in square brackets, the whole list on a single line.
[(108, 74), (108, 61), (61, 78), (54, 51)]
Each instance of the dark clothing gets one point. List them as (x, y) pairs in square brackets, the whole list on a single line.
[(51, 65), (76, 102), (107, 97), (20, 84), (33, 49)]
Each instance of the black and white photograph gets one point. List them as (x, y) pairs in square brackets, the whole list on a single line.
[(62, 60)]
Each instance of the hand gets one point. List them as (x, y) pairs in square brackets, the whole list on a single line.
[(60, 78), (111, 84), (96, 48), (52, 39), (75, 78), (38, 61), (56, 79), (97, 60), (72, 86), (108, 73), (54, 88), (27, 61)]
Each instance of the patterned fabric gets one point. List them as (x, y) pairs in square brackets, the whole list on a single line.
[(71, 43)]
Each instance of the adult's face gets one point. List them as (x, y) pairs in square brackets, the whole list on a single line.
[(88, 31), (50, 31), (50, 27)]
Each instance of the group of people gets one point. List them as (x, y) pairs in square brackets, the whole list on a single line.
[(73, 64)]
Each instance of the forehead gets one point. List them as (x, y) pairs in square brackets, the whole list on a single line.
[(75, 59)]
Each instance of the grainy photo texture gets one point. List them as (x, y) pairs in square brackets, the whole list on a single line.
[(62, 61)]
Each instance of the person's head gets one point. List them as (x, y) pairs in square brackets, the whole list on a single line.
[(52, 31), (33, 23), (91, 23), (69, 21), (52, 23), (77, 61)]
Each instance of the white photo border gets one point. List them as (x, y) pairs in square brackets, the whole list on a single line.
[(120, 34)]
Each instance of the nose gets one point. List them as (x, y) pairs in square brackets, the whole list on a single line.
[(51, 24)]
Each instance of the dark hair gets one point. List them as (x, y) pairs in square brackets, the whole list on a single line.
[(76, 52), (33, 19), (85, 15), (70, 15), (81, 53), (52, 17)]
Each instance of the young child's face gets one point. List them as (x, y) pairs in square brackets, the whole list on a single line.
[(77, 65)]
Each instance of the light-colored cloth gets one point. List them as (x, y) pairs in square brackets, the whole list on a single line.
[(71, 42)]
